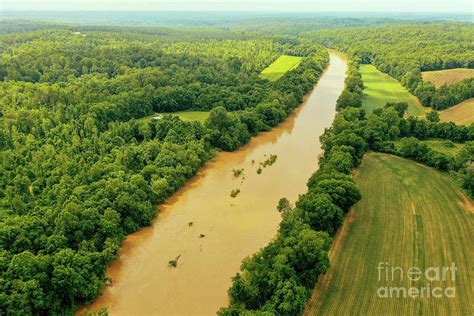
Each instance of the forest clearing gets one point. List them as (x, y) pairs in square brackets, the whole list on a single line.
[(279, 67), (199, 116)]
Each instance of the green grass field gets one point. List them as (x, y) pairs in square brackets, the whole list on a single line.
[(199, 116), (443, 146), (409, 216), (380, 88), (279, 67)]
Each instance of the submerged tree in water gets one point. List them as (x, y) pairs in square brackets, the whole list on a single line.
[(284, 205), (173, 263), (234, 192)]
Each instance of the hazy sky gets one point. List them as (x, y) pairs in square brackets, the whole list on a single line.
[(464, 6)]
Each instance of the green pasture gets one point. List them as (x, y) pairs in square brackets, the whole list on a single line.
[(380, 88), (279, 67)]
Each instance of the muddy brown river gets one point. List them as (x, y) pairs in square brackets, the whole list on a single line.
[(144, 284)]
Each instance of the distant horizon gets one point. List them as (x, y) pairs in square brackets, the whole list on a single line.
[(400, 6), (223, 17), (281, 11)]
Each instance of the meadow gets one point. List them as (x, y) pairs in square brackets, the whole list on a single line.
[(462, 114), (380, 88), (447, 76), (443, 146), (187, 116), (199, 116), (412, 216), (279, 67)]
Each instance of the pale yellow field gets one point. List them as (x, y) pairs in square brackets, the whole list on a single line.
[(447, 76), (462, 114)]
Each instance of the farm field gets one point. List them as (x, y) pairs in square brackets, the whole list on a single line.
[(462, 114), (279, 67), (412, 216), (380, 88), (447, 76)]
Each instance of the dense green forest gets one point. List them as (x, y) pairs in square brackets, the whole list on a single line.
[(404, 51), (280, 277), (78, 172)]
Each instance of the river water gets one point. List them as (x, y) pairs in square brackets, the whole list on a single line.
[(233, 228)]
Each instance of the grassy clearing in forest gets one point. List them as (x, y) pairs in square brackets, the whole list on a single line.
[(279, 67), (461, 114), (444, 146), (380, 88), (447, 76), (199, 116), (410, 215)]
